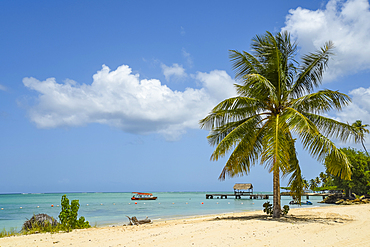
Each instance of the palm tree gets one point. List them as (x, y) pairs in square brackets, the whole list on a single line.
[(323, 178), (313, 184), (275, 101), (361, 129), (305, 184)]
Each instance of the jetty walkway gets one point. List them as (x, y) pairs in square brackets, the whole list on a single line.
[(251, 195)]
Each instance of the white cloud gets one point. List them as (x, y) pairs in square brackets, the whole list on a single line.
[(218, 84), (3, 88), (187, 57), (359, 109), (119, 98), (176, 71), (182, 32), (347, 24)]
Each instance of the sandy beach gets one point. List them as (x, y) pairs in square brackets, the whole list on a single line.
[(317, 226)]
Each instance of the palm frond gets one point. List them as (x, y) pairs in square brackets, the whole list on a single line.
[(298, 122), (230, 110), (296, 181), (258, 87), (311, 72), (244, 63), (332, 128), (230, 137), (321, 148), (218, 134), (276, 151), (245, 154), (321, 101)]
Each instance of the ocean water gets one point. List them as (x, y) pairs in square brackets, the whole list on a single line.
[(103, 209)]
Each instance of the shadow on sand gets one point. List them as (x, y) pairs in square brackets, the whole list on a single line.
[(290, 218)]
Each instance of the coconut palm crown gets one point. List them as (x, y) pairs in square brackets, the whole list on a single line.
[(277, 104), (361, 129)]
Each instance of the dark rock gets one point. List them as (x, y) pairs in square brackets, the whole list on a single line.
[(331, 199)]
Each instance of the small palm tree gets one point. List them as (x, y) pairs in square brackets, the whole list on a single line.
[(275, 101), (313, 184), (360, 130), (305, 184), (323, 178)]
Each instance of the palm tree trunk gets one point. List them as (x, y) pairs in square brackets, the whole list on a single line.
[(362, 141), (277, 206)]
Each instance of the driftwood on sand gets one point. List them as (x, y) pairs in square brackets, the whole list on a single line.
[(134, 221), (39, 220)]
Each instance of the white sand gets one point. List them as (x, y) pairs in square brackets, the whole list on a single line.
[(320, 226)]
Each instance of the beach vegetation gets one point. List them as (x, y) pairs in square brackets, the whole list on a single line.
[(268, 209), (11, 232), (41, 227), (327, 188), (360, 169), (68, 215), (361, 130), (278, 103), (42, 223)]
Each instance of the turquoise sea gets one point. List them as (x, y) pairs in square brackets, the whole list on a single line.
[(111, 208)]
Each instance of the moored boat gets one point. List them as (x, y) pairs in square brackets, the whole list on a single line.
[(142, 196), (302, 203)]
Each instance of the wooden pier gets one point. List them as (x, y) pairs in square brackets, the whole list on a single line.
[(238, 196), (251, 195), (246, 190)]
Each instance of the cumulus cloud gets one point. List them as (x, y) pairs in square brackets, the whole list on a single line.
[(347, 24), (218, 83), (175, 71), (359, 109), (119, 98)]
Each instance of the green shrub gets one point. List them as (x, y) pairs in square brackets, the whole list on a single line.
[(285, 210), (268, 209), (68, 215)]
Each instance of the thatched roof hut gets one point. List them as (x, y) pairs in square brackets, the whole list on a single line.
[(242, 187)]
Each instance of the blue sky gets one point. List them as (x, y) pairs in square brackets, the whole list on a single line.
[(107, 95)]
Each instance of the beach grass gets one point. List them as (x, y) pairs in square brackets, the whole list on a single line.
[(11, 232)]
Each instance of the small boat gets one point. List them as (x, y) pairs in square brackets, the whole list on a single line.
[(302, 203), (142, 196)]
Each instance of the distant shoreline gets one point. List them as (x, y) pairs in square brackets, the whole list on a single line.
[(81, 192)]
